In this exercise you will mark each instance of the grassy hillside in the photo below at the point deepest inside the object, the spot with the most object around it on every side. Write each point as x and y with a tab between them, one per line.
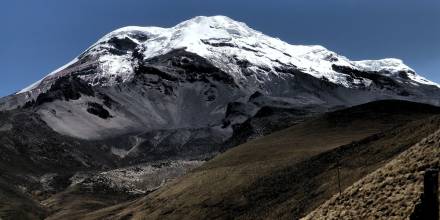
289	173
391	192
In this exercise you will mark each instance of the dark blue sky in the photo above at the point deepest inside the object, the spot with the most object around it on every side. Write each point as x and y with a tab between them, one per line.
37	37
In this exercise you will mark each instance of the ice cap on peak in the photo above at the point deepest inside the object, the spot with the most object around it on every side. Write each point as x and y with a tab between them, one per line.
207	24
202	35
214	20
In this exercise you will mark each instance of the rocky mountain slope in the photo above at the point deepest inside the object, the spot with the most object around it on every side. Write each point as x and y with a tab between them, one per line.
202	86
204	76
37	162
189	90
287	174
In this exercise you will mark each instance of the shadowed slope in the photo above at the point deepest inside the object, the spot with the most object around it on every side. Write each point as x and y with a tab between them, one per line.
16	205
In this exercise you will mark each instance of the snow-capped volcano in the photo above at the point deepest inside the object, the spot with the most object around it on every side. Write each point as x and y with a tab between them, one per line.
203	78
143	105
219	39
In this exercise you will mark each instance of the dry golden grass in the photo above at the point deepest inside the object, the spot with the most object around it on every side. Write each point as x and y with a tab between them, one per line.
391	192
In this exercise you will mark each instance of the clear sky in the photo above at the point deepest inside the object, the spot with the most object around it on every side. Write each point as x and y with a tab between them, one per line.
38	36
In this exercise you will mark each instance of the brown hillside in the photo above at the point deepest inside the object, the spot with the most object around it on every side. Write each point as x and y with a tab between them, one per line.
391	192
289	173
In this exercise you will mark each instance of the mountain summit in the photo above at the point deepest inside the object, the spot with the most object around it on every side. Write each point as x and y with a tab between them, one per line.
209	74
219	38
